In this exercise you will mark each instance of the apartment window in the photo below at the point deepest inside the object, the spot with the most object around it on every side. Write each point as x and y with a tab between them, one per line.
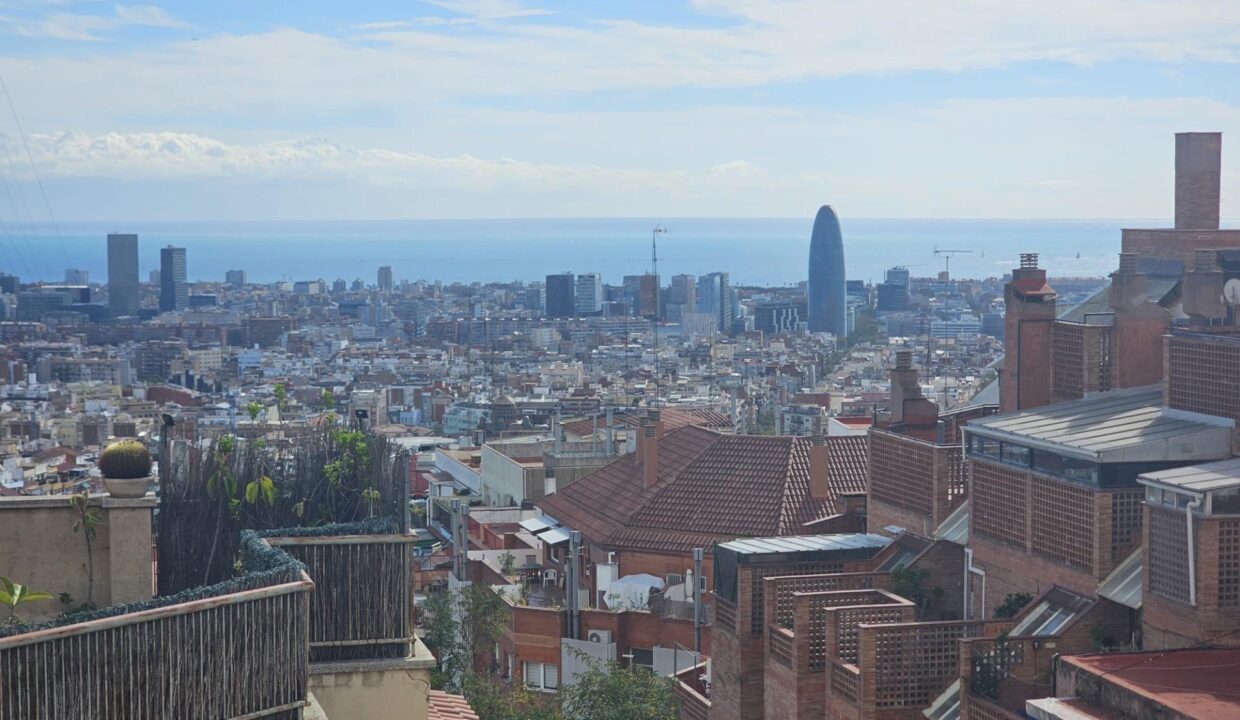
541	676
643	658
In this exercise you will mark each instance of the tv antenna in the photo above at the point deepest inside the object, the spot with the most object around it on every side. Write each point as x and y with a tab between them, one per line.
654	312
947	256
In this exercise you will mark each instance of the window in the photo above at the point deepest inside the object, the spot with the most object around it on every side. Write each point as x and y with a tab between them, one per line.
541	676
1015	454
984	446
1226	502
1062	466
643	658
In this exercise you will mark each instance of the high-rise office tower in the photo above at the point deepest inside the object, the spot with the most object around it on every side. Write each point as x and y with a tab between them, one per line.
714	296
123	273
561	295
589	294
898	276
235	278
173	286
74	276
826	275
385	278
682	297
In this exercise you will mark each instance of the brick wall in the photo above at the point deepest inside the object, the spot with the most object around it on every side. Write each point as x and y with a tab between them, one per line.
912	483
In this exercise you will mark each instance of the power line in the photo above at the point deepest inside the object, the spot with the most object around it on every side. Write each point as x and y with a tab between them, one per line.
25	228
34	168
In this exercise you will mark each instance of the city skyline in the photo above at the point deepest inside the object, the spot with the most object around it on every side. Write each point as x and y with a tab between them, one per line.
760	108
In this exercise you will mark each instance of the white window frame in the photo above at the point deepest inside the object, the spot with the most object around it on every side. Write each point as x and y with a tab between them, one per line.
535	676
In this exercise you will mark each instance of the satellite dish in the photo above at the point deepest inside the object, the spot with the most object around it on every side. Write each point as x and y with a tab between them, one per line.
1231	292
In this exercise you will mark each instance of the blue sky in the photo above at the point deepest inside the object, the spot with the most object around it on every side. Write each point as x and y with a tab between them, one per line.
520	108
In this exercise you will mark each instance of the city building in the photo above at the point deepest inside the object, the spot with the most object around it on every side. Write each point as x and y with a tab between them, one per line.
714	297
123	297
589	294
235	278
826	275
891	297
77	277
776	318
561	295
173	285
386	282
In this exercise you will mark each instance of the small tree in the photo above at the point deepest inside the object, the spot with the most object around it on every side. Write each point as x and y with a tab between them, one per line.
329	399
507	563
253	409
281	397
87	525
610	691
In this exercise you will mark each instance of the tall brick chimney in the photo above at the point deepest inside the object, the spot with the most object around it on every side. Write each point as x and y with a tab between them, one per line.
1028	322
650	454
909	408
1198	173
819	475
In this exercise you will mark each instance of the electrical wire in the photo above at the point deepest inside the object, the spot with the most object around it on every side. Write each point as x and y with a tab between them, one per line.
34	168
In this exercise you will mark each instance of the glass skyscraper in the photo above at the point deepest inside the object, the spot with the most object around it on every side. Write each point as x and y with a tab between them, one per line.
826	275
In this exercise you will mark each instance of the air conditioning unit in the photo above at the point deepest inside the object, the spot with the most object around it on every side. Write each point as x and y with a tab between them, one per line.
600	636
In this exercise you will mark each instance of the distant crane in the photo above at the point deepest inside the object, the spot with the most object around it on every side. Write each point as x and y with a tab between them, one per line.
947	256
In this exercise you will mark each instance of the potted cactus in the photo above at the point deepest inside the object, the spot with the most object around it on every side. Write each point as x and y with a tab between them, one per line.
126	468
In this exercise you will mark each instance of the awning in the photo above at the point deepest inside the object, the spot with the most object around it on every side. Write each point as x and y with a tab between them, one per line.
554	536
955	528
536	524
1123	585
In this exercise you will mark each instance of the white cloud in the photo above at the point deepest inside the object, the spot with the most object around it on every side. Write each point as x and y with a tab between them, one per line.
149	15
91	28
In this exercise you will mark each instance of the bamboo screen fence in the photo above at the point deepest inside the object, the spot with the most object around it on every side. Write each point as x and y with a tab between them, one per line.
235	651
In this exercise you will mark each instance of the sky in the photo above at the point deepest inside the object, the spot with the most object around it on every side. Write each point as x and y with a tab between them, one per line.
321	109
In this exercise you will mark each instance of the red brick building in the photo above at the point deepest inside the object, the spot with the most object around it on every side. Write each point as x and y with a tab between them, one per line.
1054	497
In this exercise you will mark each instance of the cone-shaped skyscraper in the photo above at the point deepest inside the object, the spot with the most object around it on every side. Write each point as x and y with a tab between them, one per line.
826	275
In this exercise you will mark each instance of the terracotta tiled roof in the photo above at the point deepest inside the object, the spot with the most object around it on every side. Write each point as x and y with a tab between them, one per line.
673	419
848	463
443	706
712	487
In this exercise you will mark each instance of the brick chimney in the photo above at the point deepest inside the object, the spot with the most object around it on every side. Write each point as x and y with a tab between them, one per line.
649	449
909	408
1028	321
819	475
1198	173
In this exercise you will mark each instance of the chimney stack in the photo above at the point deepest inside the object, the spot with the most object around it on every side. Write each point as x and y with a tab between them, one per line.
1198	173
650	454
819	475
1028	321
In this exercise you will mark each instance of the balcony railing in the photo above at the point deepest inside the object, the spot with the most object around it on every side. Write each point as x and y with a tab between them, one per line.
237	651
362	605
914	662
693	693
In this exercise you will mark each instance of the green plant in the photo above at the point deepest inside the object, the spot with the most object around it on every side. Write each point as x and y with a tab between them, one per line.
329	399
253	409
125	460
13	594
281	397
908	583
1012	604
507	563
611	691
87	525
1101	638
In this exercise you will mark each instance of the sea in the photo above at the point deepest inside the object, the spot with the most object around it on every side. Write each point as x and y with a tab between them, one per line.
755	251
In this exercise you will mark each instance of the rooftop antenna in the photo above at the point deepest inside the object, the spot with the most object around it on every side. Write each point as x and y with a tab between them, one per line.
654	314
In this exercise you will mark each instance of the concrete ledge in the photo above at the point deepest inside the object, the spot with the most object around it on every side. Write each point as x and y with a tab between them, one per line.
421	659
39	502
